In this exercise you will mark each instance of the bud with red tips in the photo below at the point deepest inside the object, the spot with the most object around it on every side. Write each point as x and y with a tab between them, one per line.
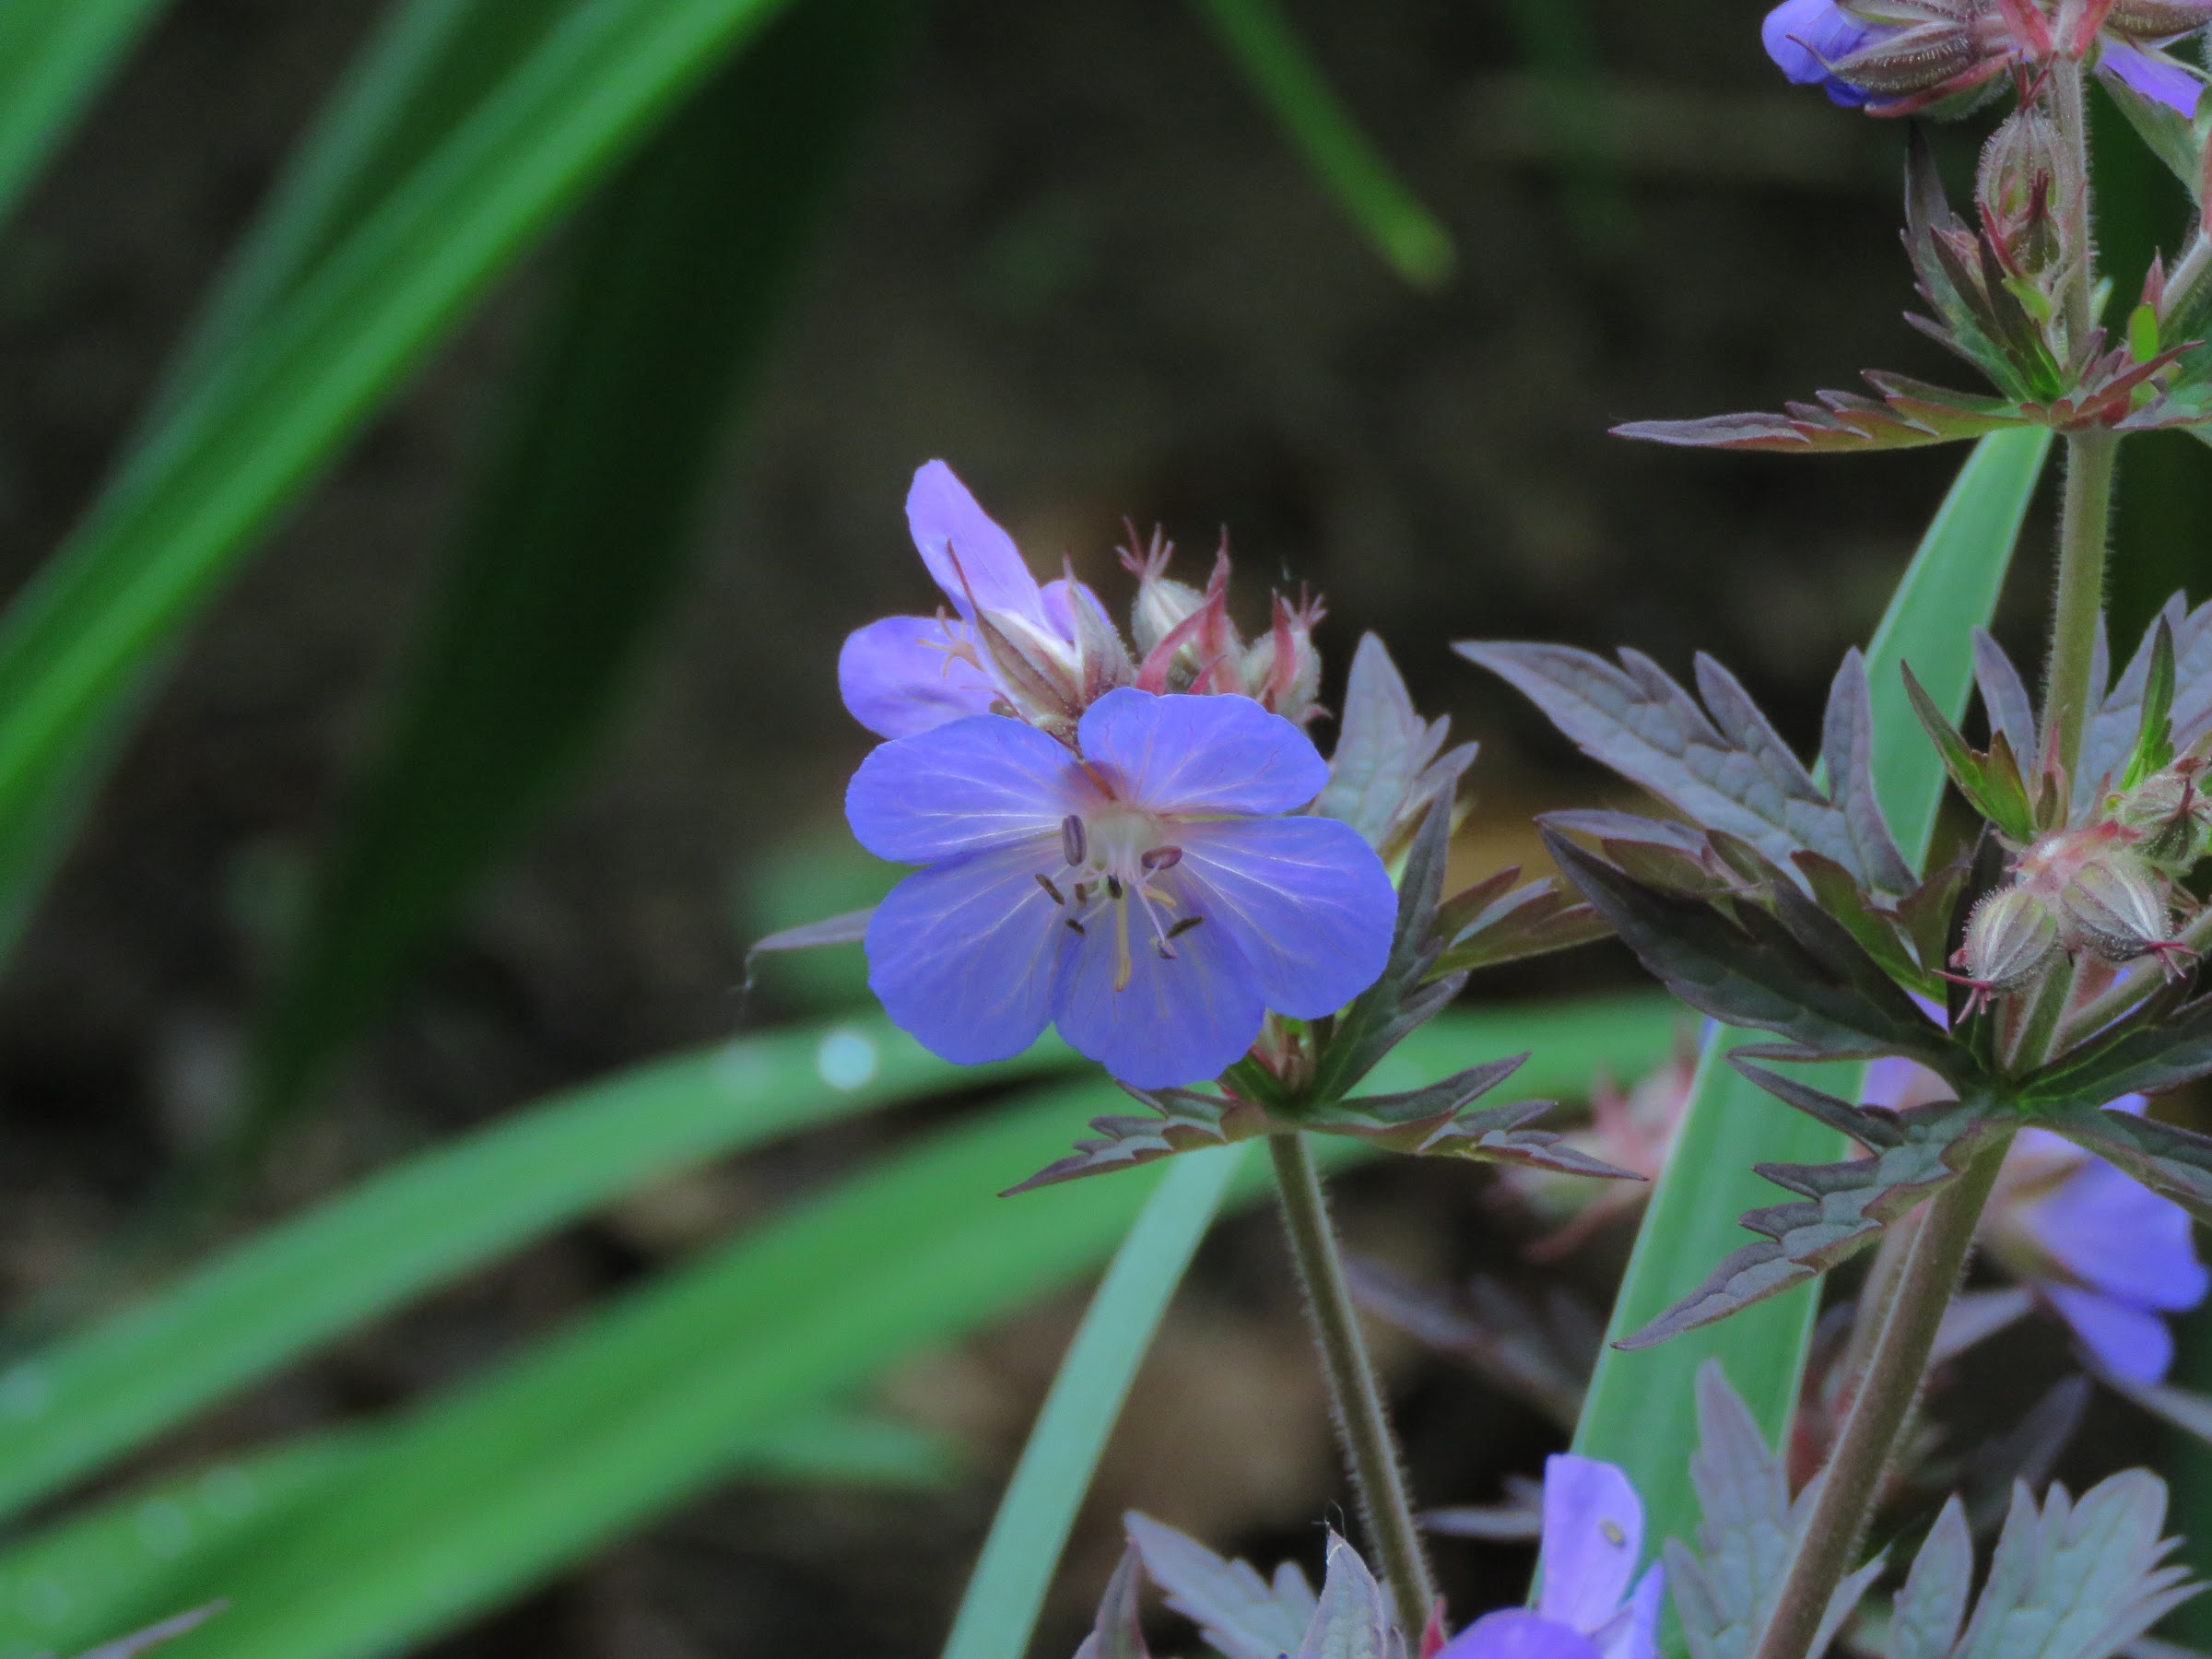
1162	603
2172	816
1282	670
2012	939
2027	186
2116	907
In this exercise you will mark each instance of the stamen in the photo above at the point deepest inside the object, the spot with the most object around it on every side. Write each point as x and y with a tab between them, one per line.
1113	888
1082	894
1176	930
1045	882
1162	858
1073	842
1075	927
1123	969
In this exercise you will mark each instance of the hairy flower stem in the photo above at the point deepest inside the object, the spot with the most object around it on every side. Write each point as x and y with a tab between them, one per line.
2083	527
1355	1396
1852	1478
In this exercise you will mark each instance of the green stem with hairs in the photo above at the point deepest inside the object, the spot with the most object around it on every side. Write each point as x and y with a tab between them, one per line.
1828	1544
1355	1394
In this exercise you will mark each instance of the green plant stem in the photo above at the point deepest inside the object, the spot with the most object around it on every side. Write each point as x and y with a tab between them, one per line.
1886	1394
2084	528
1355	1396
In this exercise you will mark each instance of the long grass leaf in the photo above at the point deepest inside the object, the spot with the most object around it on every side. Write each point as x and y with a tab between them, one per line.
1005	1591
95	1394
69	1408
583	531
1639	1412
54	55
140	1556
1291	86
242	443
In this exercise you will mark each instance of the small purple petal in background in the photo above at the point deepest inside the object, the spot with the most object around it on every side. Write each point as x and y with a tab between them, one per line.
1200	754
2128	1342
1634	1633
1518	1634
965	954
1593	1537
962	787
2119	1238
989	571
897	679
2151	75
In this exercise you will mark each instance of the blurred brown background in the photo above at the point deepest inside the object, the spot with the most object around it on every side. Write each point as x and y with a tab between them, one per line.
1079	263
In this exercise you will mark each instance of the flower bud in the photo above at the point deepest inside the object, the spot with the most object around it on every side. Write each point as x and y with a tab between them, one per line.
2170	817
1282	670
1162	603
2026	177
2158	20
2011	938
2117	906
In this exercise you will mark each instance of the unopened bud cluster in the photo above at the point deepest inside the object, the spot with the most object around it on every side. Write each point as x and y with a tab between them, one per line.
2109	888
1190	643
2028	192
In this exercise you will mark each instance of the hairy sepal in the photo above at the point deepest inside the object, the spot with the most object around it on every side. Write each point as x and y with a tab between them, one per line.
1726	1589
1843	1206
1721	764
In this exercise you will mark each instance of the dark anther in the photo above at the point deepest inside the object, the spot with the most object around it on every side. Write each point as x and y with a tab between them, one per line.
1074	925
1113	887
1073	844
1045	882
1163	858
1177	929
1082	894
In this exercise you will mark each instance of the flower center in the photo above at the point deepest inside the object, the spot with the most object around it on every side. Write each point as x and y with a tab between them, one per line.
1113	864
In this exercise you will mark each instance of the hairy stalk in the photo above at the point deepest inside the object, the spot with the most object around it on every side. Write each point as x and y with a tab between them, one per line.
2085	514
1875	1293
1355	1396
1885	1398
2084	526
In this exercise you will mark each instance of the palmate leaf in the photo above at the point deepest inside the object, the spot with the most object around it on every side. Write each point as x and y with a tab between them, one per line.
1910	413
1793	971
1389	762
1495	921
1440	1120
1723	766
1844	1206
1241	1614
2076	1580
1726	1590
2115	727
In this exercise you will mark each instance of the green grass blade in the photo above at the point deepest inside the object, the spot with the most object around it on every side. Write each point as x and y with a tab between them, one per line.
1005	1592
584	530
96	1394
55	56
504	1481
1640	1411
140	1557
241	444
1287	81
91	1397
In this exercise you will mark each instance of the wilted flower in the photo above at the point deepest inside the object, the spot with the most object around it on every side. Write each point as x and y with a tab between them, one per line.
1144	891
1592	1539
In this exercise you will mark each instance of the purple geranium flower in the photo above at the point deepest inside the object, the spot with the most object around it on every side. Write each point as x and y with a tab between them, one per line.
1592	1539
2102	1251
1804	37
905	675
2150	74
1144	891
